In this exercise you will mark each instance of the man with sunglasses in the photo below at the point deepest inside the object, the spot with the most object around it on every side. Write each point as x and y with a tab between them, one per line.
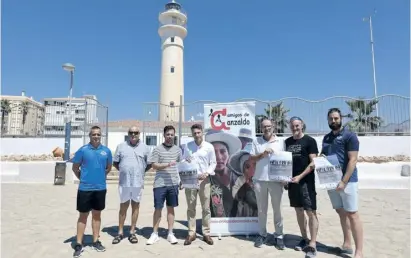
130	159
95	162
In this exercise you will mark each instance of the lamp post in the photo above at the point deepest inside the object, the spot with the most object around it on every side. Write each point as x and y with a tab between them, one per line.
67	137
369	19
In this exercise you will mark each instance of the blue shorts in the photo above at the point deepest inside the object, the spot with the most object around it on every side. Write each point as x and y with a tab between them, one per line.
347	199
169	194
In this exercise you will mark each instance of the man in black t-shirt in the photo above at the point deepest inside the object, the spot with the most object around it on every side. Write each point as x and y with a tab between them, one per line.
301	190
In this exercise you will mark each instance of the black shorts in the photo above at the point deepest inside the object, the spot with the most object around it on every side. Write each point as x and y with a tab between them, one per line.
91	200
303	195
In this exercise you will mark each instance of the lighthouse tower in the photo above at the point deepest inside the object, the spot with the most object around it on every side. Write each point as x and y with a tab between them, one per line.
172	31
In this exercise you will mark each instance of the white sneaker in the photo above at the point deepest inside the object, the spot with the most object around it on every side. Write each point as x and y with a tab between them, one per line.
172	239
153	239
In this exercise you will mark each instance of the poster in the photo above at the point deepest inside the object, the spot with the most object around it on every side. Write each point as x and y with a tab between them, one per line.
328	171
188	172
230	128
281	167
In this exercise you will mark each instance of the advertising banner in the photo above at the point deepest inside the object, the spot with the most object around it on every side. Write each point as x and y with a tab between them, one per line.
230	128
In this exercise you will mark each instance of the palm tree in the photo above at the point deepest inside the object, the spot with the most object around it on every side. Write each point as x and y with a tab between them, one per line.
362	120
25	109
5	110
278	116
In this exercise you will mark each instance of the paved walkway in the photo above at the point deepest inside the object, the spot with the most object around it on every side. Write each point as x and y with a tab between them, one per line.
40	221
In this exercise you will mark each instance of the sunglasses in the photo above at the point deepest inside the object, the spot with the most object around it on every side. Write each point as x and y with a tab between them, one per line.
133	133
96	134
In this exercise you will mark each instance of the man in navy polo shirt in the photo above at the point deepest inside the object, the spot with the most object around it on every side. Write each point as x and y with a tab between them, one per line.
344	144
95	161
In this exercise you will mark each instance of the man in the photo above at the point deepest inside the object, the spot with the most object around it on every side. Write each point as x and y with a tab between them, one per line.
166	183
301	191
95	160
344	144
130	159
261	149
203	154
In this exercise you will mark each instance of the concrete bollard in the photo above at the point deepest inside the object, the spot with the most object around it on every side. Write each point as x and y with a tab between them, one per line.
405	170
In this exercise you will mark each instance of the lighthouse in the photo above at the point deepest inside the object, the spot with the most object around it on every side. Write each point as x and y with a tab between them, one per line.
172	32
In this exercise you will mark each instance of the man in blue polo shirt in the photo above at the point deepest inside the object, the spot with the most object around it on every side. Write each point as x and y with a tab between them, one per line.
95	161
345	145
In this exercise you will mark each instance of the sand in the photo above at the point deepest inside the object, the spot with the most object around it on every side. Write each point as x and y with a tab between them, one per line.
39	220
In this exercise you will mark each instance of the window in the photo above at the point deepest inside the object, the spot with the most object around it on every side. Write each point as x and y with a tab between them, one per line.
172	69
172	39
151	140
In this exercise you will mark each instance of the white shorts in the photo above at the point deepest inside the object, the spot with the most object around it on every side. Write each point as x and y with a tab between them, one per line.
130	193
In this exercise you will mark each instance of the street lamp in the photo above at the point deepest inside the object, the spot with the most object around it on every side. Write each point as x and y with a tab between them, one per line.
369	19
69	68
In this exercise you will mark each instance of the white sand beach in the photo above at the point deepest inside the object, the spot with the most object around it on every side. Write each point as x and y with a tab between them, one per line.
39	220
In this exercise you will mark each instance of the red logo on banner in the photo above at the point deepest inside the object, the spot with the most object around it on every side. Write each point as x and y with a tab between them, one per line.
215	119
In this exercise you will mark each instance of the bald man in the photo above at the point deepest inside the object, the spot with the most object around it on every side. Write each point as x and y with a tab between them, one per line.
130	159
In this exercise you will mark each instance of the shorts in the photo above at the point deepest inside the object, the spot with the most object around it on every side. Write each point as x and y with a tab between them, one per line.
303	195
347	199
169	194
91	200
130	193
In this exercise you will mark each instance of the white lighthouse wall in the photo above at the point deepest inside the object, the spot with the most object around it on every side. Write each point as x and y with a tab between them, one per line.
172	84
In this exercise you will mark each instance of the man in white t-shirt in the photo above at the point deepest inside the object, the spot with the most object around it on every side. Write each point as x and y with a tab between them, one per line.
262	147
203	154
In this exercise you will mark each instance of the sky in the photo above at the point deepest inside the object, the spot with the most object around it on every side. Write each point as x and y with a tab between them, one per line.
268	50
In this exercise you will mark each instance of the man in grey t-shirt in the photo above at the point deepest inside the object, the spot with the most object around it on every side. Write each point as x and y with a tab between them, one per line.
164	160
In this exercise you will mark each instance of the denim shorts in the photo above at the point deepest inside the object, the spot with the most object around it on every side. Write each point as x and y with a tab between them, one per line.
347	199
168	194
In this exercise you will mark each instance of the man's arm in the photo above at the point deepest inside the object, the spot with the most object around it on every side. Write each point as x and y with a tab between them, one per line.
255	155
109	161
312	152
213	162
155	161
77	160
353	147
116	158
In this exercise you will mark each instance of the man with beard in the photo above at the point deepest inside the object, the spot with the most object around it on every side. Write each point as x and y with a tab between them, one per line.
166	183
301	190
95	161
202	153
261	149
130	159
345	145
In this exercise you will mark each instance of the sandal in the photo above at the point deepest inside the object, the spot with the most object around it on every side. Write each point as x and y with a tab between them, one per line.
117	239
133	238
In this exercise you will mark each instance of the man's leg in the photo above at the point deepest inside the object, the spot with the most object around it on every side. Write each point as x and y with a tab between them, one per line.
309	198
159	194
191	197
122	214
261	194
171	202
350	203
276	192
302	222
84	208
205	198
137	192
337	204
98	205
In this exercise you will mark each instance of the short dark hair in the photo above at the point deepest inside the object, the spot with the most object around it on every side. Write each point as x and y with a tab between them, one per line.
168	128
332	110
95	127
196	126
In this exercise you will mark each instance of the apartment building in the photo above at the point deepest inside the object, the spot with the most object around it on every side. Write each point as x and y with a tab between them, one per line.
83	112
21	116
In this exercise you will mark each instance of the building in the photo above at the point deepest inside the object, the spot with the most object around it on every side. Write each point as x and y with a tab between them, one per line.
21	116
83	113
172	31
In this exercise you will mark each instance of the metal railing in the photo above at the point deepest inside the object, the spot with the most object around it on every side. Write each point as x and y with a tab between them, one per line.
358	114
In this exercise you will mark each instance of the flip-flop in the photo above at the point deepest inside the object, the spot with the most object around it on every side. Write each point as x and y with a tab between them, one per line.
133	238
343	250
117	239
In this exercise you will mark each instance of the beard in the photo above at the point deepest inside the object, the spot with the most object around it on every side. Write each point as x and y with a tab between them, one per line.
335	126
